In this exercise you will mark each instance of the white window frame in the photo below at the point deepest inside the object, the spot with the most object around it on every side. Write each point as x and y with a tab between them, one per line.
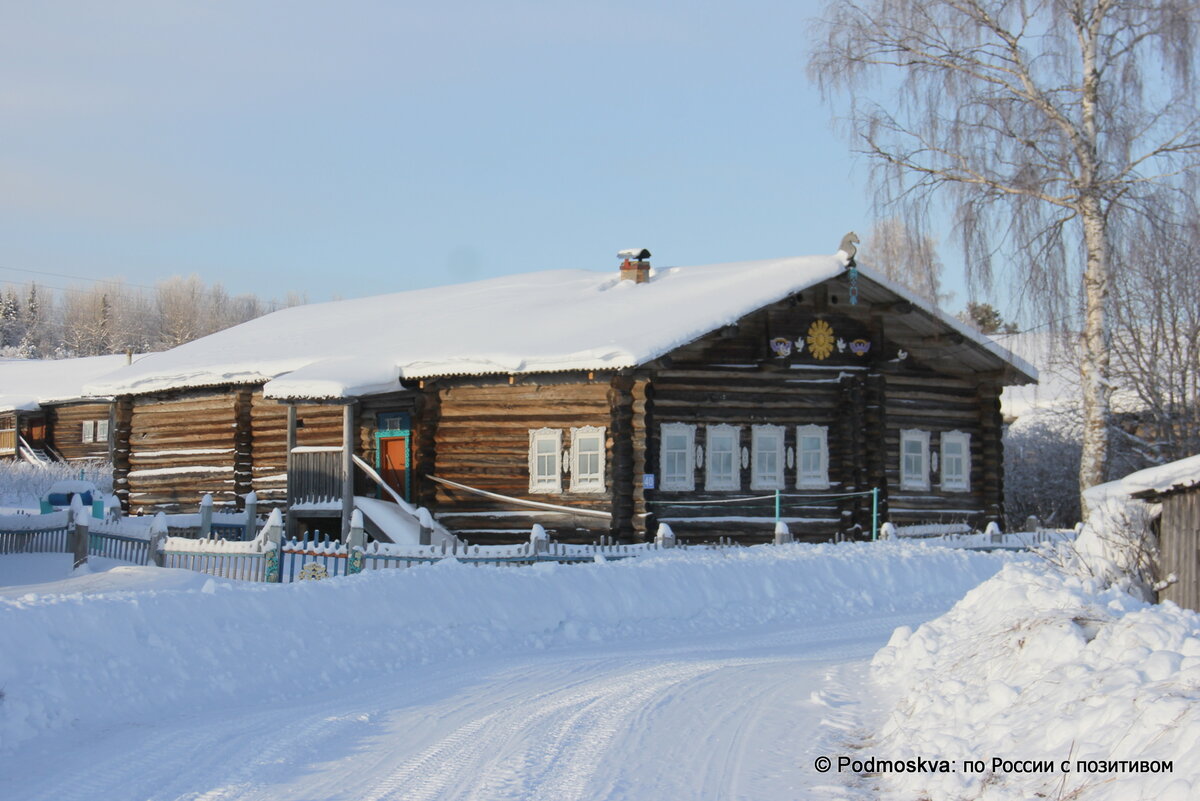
581	480
961	482
539	482
102	430
820	478
687	481
88	431
910	480
713	481
760	438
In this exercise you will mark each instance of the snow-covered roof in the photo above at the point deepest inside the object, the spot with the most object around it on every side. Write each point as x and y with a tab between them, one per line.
25	384
1057	356
1179	474
532	323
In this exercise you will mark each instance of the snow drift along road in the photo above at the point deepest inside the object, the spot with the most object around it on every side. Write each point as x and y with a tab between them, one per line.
101	658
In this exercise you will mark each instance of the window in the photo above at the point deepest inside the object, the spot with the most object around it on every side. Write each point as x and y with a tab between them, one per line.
393	421
767	443
812	449
677	458
94	431
956	461
545	471
914	459
723	461
587	459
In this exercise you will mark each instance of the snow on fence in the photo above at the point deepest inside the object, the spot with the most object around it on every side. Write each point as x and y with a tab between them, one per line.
34	533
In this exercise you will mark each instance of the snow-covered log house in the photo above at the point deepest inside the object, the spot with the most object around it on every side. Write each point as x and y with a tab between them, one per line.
45	415
593	403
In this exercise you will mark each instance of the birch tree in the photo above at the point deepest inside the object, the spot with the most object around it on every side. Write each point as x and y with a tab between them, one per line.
1156	346
907	257
1043	126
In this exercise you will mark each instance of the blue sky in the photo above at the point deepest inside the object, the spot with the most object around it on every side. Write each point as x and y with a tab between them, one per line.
351	148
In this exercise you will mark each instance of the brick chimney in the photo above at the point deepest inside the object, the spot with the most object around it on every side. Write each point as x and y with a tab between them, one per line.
634	266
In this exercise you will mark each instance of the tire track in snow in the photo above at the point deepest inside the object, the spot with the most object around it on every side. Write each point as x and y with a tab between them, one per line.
547	747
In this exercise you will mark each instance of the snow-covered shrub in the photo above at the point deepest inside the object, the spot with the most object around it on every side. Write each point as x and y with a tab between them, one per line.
1041	467
23	484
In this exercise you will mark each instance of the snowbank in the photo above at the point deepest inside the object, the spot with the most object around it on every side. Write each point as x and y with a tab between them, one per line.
1034	666
95	659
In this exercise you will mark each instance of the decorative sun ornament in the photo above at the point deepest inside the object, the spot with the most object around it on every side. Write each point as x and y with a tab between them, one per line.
820	340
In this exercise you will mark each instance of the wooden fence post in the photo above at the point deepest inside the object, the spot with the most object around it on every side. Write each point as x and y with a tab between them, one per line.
206	516
425	534
782	534
665	537
538	539
273	553
79	533
356	544
158	540
251	516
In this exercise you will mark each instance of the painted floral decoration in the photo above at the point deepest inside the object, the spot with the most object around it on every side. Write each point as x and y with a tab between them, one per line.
859	347
820	340
782	347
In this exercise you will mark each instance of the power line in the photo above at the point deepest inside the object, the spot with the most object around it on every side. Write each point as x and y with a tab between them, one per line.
76	277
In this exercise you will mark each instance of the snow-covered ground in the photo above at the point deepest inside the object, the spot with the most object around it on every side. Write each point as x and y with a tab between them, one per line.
719	675
918	671
1080	692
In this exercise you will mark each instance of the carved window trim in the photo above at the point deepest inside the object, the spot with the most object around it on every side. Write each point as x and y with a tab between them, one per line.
956	481
914	463
587	480
677	482
812	478
766	441
719	435
546	480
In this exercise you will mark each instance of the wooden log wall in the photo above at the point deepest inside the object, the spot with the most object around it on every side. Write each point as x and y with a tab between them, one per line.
181	447
744	398
991	453
66	429
482	441
875	424
316	425
928	401
854	513
1179	548
122	435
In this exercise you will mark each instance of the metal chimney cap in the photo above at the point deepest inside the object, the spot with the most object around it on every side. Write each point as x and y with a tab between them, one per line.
637	254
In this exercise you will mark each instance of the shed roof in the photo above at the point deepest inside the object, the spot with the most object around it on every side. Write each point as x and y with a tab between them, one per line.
1150	484
540	322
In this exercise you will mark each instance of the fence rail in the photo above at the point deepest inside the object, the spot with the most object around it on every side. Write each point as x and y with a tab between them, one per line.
115	546
45	540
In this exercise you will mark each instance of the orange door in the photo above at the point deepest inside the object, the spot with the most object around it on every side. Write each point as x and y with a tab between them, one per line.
393	463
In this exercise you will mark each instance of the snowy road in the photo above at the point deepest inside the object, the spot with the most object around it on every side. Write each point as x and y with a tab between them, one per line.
732	716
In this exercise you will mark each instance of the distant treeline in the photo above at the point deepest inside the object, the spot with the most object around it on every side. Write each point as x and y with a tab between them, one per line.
112	317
